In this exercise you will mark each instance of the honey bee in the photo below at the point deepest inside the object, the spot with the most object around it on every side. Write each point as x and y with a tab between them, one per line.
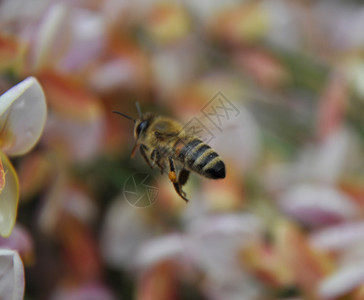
163	142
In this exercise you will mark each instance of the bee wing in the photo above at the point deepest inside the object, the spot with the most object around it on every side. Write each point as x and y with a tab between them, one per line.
205	130
167	128
199	127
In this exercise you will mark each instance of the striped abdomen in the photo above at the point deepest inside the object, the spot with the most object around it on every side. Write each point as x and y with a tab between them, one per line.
199	157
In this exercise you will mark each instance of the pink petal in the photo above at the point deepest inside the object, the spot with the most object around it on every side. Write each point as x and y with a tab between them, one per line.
342	32
332	106
89	291
19	240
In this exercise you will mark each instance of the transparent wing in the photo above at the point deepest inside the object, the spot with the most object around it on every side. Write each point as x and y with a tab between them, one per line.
166	128
215	117
202	128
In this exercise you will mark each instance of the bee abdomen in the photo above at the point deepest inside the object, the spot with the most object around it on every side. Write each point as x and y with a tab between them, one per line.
209	164
201	158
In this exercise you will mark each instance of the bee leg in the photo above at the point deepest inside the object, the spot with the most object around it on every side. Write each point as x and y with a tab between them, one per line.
142	150
173	178
162	169
157	159
183	176
152	157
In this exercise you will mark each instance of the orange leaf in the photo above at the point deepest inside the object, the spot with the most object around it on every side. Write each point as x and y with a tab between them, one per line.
2	176
309	267
34	172
10	51
68	97
242	23
265	263
167	23
159	282
263	67
79	248
355	189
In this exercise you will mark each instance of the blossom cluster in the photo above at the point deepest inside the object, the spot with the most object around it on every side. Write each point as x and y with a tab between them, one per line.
278	88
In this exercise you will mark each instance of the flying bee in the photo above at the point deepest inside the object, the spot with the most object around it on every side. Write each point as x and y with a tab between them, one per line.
163	142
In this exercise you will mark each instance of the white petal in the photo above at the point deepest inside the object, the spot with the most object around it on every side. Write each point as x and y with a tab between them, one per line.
316	204
239	130
342	281
336	238
85	39
51	28
325	161
82	140
9	198
215	241
207	10
113	74
23	113
11	275
125	230
158	249
20	10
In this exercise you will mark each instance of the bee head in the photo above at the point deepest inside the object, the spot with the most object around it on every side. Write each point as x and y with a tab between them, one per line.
142	125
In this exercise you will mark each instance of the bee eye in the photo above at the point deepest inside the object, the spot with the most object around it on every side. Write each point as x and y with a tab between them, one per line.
141	127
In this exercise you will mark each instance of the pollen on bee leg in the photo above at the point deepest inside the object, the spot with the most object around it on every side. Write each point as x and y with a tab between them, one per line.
172	176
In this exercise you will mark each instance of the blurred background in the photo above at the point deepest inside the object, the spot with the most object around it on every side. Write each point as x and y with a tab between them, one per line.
278	87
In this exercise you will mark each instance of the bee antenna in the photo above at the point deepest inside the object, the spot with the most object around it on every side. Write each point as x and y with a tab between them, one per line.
124	115
139	110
